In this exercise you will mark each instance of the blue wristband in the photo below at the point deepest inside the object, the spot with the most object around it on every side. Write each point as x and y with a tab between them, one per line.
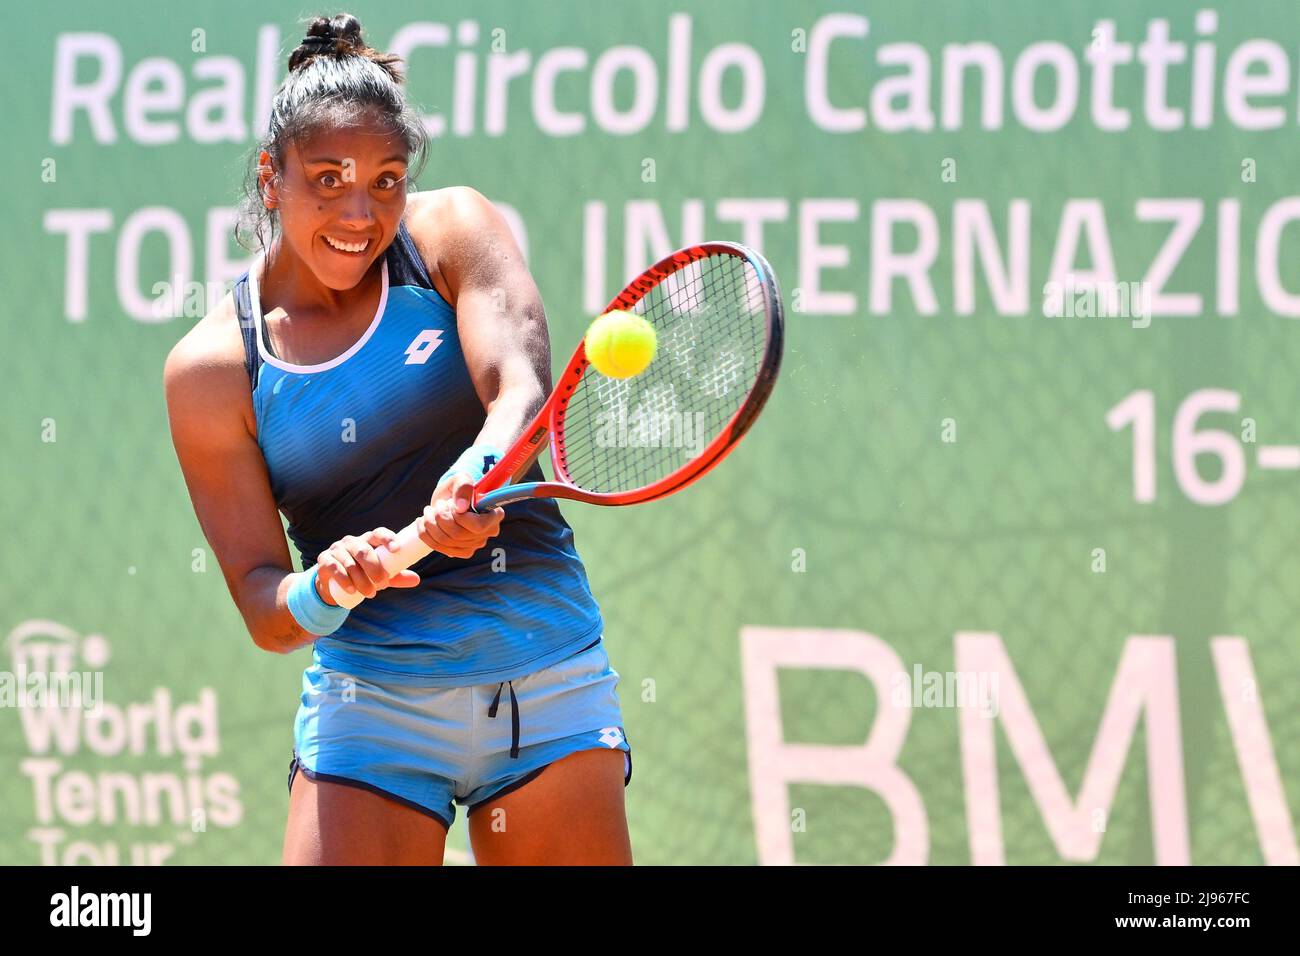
475	461
312	614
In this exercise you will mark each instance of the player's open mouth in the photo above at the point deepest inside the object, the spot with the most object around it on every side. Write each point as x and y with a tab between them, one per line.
348	248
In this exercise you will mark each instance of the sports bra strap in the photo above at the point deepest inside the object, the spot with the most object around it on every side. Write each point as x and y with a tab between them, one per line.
247	329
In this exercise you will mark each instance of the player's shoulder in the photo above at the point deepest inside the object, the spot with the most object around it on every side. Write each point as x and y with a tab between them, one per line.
449	202
209	358
450	227
451	214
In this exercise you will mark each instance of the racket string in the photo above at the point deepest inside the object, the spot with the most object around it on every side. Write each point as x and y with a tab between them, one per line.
710	318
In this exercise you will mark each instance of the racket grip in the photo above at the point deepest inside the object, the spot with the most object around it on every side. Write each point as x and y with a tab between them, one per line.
407	549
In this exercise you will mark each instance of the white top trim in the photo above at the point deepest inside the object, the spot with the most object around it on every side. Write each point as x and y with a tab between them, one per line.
255	297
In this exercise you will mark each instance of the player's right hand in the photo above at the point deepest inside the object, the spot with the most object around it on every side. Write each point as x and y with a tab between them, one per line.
353	563
448	526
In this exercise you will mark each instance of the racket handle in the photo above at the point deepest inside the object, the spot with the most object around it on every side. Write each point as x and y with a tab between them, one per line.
407	549
505	496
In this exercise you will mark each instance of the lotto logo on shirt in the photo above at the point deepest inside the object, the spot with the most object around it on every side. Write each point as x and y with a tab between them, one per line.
418	352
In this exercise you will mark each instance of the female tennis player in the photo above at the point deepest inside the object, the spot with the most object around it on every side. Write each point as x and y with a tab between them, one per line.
370	366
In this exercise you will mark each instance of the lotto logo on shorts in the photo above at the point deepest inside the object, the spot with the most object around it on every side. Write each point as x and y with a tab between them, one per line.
611	736
418	352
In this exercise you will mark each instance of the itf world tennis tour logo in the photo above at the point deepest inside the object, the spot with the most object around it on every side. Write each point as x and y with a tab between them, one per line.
148	756
43	656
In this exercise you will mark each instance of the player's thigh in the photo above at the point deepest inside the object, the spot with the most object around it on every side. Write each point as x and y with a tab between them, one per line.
571	814
333	824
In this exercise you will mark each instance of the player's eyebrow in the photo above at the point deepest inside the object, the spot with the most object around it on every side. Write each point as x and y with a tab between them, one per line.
395	158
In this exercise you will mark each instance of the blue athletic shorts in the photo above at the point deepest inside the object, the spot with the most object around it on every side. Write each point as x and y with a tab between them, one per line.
426	747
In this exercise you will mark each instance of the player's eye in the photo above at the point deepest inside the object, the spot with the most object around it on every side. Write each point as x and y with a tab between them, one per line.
328	180
387	181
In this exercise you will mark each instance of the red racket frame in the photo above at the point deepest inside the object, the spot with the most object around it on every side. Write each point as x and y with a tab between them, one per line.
492	489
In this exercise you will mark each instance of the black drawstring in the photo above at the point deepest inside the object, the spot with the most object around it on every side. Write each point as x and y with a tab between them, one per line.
514	716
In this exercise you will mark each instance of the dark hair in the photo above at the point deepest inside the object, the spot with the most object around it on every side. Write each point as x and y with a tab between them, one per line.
334	80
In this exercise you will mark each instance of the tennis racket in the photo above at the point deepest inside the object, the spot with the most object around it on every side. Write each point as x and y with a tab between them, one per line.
717	315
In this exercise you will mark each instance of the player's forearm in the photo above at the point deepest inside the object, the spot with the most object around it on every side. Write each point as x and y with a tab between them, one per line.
510	362
262	598
510	412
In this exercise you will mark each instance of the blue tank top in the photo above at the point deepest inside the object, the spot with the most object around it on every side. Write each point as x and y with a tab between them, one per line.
359	442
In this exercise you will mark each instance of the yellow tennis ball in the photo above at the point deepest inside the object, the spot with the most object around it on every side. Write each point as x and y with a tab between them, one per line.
620	344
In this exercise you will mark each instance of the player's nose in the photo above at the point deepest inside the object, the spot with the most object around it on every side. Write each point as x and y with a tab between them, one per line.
357	209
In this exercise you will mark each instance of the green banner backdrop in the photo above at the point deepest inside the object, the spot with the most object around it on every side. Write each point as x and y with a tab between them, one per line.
1005	573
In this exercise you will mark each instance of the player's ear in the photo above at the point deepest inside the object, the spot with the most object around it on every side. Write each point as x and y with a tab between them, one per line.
266	179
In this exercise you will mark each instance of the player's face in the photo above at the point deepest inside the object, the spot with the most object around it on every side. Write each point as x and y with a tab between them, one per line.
341	196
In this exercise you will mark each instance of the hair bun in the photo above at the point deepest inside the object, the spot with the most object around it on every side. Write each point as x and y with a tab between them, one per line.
339	35
344	26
